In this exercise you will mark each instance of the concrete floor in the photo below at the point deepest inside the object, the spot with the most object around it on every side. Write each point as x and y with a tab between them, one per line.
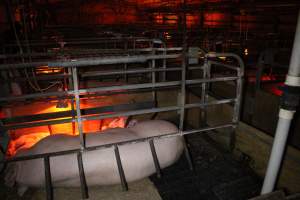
143	189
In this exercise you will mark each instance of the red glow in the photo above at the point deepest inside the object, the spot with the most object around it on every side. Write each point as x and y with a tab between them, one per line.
26	137
276	91
214	19
191	20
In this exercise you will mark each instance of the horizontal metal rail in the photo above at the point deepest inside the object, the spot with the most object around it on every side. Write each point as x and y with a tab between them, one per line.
119	87
111	115
84	62
238	58
86	111
131	71
97	41
105	146
90	51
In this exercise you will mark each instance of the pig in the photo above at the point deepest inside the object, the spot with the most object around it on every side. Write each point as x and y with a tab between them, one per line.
100	166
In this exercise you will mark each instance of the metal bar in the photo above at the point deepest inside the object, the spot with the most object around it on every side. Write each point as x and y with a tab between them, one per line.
183	85
72	112
90	51
164	74
119	87
78	112
120	168
237	105
48	181
35	95
83	185
27	125
133	71
40	77
127	113
203	111
238	58
151	85
73	117
125	74
153	78
79	39
155	159
224	65
105	146
90	61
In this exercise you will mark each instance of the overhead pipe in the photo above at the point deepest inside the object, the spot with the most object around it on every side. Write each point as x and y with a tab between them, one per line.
289	104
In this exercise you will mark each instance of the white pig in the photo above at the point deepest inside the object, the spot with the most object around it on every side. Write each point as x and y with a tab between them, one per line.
100	166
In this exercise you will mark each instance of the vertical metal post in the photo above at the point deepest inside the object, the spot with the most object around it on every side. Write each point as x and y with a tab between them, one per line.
70	86
125	65
153	76
48	181
239	83
164	74
125	75
236	109
183	88
78	112
204	86
83	185
155	159
120	169
73	117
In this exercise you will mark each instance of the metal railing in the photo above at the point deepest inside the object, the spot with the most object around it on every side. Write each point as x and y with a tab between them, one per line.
204	81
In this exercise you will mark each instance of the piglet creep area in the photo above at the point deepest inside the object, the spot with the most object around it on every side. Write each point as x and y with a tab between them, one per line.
25	138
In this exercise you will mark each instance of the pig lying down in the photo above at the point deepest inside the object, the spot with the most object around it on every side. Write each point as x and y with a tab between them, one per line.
100	166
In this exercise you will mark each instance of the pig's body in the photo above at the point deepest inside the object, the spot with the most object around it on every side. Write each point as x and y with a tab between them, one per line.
100	165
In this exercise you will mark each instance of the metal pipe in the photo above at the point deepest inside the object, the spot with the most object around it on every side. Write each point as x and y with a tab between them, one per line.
127	113
155	159
289	106
81	62
83	185
281	135
294	69
119	87
120	169
48	181
105	146
78	111
90	51
132	71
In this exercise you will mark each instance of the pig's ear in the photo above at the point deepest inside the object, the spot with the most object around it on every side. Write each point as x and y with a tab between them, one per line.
10	174
21	190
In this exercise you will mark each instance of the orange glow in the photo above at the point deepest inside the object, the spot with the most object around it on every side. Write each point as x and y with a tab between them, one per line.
48	70
25	138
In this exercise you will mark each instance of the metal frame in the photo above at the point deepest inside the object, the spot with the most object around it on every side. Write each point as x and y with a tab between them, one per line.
181	107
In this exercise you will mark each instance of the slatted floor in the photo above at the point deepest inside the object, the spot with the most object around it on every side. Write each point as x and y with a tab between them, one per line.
217	176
